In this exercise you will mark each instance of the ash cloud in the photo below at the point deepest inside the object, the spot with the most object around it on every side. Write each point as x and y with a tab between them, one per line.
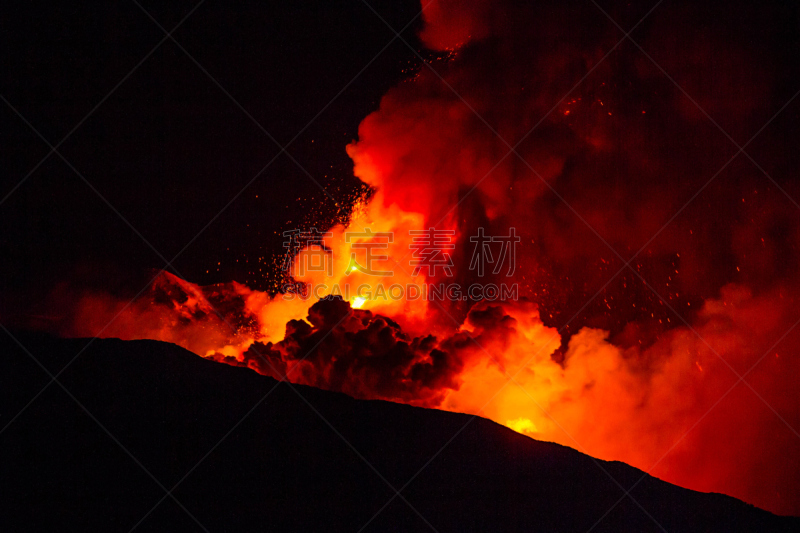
359	353
626	150
631	156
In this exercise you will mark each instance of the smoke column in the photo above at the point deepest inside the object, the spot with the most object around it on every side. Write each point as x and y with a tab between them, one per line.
622	167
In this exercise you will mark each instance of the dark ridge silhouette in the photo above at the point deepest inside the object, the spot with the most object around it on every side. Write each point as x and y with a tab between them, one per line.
284	468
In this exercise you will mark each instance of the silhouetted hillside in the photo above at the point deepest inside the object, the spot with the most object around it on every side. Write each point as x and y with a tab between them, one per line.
302	460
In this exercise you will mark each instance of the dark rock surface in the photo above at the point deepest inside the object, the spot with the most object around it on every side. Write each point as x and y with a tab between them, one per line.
242	452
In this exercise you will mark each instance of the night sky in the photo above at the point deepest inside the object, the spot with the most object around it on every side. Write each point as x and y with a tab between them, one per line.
653	183
169	140
171	149
158	138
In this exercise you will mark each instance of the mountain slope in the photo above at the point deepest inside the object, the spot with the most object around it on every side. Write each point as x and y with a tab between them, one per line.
303	459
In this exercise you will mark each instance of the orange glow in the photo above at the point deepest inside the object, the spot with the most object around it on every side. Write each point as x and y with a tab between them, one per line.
621	404
658	392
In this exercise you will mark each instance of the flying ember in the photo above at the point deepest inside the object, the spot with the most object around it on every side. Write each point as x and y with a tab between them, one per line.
532	251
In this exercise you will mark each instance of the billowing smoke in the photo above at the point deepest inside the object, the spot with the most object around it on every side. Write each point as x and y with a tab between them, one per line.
642	367
357	352
625	164
172	310
605	166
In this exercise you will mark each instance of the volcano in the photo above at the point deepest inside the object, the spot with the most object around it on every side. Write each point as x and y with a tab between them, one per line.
146	436
577	219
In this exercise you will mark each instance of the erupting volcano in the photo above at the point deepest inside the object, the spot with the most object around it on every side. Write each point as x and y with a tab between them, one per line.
586	236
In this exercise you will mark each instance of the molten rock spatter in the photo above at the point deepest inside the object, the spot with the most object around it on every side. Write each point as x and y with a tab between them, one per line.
628	376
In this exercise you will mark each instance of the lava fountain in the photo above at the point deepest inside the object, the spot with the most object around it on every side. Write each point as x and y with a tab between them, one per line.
625	355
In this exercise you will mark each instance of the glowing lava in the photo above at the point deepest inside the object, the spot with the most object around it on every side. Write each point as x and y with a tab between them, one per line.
646	366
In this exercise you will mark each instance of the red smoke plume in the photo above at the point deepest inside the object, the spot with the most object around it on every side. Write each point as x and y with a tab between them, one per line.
625	165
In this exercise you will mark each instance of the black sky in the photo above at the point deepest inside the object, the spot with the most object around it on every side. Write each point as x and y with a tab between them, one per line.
168	148
159	142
